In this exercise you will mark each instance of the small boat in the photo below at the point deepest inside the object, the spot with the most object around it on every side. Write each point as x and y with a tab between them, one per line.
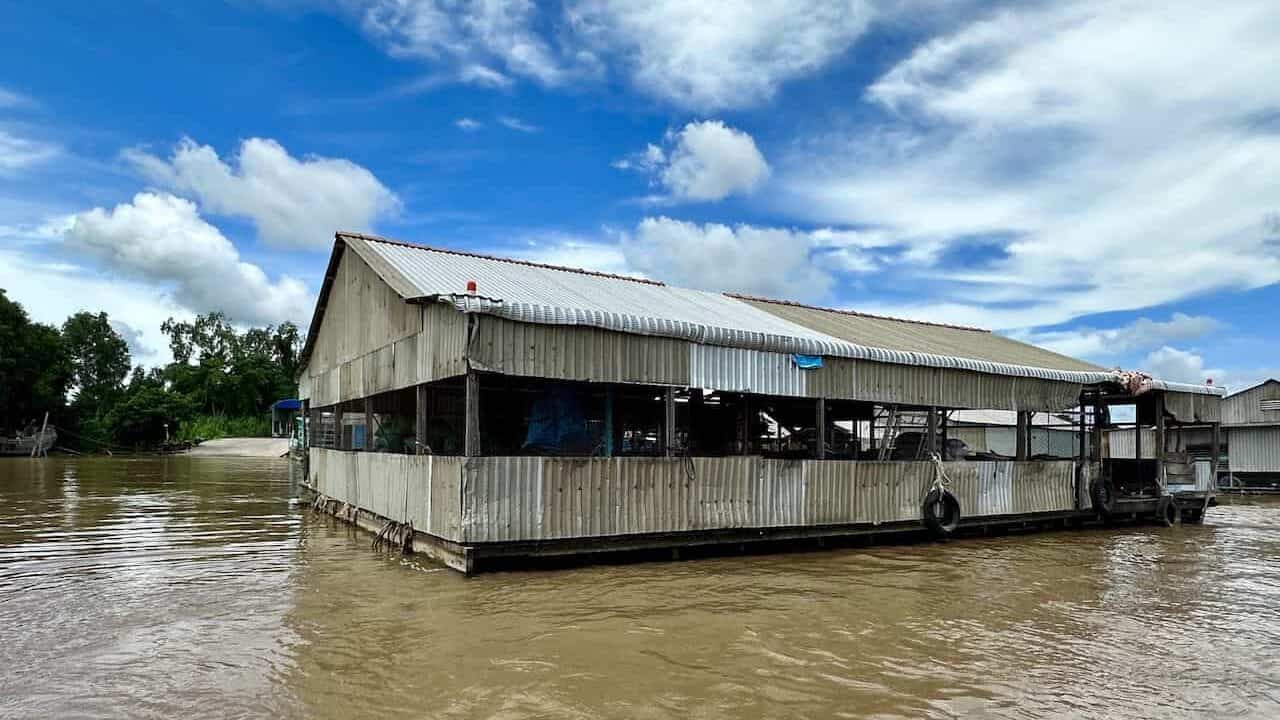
27	443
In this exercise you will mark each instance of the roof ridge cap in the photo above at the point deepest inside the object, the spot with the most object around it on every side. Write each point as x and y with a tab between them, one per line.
857	313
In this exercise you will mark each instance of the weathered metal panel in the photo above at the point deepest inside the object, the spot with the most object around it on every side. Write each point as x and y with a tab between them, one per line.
1253	449
580	497
446	503
831	492
741	370
1246	407
502	499
1194	407
442	346
780	493
1120	445
424	490
577	353
720	492
405	363
1046	486
655	495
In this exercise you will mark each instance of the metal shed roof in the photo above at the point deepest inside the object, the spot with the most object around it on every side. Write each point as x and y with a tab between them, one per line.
534	293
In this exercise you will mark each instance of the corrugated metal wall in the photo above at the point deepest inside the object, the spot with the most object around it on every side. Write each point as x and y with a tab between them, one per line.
1246	408
1120	444
1194	407
527	499
422	489
432	354
1254	449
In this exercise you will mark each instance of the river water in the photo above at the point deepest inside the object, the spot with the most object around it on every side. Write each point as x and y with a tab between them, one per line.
186	587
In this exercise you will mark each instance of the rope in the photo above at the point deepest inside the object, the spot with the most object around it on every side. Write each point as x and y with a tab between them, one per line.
941	482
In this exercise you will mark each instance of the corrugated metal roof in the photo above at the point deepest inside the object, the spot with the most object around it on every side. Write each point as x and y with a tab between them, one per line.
543	294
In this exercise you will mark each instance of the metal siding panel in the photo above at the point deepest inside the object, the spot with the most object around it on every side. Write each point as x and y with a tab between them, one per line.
779	494
741	370
577	353
723	492
1047	486
831	492
1120	443
1253	449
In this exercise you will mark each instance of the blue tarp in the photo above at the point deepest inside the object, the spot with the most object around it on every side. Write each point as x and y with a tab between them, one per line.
287	404
557	423
807	362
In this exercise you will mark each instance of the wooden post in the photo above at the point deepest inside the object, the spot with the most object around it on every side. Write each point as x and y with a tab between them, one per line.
608	421
1137	437
695	417
744	425
669	422
420	418
1216	455
1161	442
1023	434
931	442
368	424
472	438
1083	433
820	429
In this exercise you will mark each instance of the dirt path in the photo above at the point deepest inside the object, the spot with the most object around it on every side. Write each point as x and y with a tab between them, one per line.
242	447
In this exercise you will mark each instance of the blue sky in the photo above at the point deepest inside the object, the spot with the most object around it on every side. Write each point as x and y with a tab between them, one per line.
1102	178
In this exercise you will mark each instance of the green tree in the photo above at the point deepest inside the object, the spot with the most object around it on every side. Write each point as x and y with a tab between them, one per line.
34	368
99	362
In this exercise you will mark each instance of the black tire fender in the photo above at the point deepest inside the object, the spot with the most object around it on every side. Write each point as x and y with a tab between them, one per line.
941	512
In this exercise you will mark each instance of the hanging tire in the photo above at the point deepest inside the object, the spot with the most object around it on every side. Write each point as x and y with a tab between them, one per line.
1168	513
1104	498
941	512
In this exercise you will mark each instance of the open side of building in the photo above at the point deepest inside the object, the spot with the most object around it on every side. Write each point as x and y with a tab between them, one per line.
482	408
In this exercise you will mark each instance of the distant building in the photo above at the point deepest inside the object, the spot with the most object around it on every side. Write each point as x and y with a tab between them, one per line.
1251	423
283	413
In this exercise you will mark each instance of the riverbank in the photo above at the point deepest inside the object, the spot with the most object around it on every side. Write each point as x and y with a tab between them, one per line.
242	447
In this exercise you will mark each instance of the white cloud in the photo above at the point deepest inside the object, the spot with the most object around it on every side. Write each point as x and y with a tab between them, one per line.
712	56
9	98
470	38
703	161
773	262
161	239
18	153
1170	363
555	248
293	202
1141	334
517	124
467	124
1111	149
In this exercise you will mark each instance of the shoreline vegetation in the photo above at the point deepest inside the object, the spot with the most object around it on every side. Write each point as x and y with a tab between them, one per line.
221	382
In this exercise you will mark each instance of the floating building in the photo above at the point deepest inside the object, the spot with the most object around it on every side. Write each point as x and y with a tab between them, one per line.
479	408
1251	423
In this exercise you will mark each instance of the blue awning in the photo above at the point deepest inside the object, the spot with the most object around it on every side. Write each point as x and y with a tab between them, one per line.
287	404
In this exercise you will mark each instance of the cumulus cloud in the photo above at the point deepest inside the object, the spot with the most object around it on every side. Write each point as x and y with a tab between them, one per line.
773	262
293	202
1169	363
161	239
467	124
718	56
483	43
19	153
703	161
1141	334
1109	150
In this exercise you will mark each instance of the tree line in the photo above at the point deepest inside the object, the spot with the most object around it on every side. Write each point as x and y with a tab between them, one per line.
222	381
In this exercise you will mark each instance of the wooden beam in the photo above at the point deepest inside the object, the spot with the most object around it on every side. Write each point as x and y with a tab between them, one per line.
669	422
1023	434
421	418
820	429
744	425
472	439
368	425
931	442
1161	441
608	420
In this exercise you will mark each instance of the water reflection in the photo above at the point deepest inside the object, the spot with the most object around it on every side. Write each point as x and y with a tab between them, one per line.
201	587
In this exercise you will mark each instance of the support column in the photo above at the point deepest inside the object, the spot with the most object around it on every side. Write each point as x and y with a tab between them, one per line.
744	426
669	422
472	437
931	442
420	418
368	425
608	421
1161	442
820	429
1216	456
1023	434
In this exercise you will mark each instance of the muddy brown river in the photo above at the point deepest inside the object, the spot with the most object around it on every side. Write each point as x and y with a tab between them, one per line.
187	587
